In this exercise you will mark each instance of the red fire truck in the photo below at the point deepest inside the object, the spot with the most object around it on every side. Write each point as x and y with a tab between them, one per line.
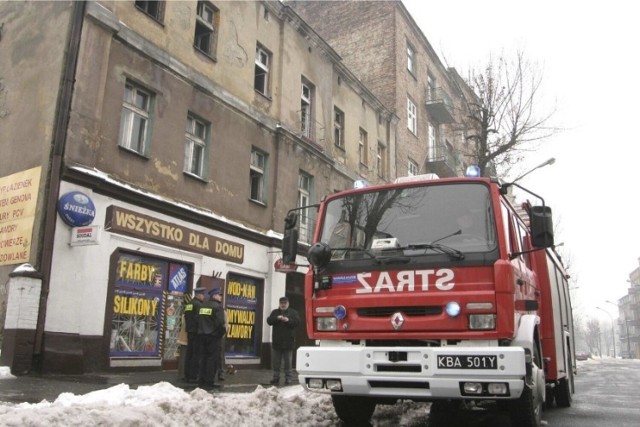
436	290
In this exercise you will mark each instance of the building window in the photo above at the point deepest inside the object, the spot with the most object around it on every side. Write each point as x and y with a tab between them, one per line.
134	122
305	186
363	147
257	176
261	79
381	163
338	127
412	117
433	142
411	59
306	103
431	88
412	168
197	134
206	36
154	9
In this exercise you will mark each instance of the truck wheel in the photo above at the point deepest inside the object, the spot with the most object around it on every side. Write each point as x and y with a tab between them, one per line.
527	410
354	410
564	390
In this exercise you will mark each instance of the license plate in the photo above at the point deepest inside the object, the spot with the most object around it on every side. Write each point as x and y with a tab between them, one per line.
467	362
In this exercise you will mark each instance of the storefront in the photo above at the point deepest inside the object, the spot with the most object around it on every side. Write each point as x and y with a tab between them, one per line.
116	296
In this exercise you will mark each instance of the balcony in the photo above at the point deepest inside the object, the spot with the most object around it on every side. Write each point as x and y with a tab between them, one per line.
439	105
442	161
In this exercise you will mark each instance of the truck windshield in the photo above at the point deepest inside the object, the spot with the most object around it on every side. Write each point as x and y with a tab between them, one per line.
411	219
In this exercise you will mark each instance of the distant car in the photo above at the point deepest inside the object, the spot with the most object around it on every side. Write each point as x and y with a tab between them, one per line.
583	355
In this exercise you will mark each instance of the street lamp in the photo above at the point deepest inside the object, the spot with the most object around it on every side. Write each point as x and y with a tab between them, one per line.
613	330
541	165
626	325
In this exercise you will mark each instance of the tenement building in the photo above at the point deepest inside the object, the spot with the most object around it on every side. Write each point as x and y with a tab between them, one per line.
382	44
153	146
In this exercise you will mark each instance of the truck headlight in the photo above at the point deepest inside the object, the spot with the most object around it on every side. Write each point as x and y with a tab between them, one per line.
326	324
482	321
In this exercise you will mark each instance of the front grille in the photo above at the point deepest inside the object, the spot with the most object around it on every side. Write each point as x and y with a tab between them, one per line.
398	384
408	311
398	368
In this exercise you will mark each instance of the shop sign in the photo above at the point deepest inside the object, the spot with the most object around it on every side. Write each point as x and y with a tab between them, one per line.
76	209
88	235
282	267
130	223
18	200
243	312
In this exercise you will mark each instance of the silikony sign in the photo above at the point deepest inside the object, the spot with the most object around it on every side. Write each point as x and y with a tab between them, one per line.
76	209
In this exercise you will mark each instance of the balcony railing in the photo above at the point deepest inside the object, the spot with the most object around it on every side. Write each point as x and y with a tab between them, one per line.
439	105
442	160
311	130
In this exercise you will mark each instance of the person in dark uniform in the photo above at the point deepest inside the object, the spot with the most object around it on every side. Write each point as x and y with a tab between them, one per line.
192	363
210	331
284	321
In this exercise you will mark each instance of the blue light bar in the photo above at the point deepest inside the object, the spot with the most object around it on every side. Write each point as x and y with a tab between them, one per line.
472	172
361	183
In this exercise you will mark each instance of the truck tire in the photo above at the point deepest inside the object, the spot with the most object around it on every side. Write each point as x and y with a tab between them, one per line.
526	411
354	410
564	390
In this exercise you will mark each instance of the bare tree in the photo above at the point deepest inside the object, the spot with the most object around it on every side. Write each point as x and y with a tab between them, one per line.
592	336
503	117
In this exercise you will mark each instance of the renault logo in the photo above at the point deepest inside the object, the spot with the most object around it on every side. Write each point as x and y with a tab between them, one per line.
397	320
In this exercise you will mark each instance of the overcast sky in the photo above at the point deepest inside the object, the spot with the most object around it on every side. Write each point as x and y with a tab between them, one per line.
589	55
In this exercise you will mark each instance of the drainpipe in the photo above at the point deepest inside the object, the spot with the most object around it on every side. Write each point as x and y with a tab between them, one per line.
59	138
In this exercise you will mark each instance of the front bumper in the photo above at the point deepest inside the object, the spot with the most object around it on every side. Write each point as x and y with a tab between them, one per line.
413	372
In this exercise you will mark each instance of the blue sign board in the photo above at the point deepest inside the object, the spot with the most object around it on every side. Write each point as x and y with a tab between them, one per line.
76	209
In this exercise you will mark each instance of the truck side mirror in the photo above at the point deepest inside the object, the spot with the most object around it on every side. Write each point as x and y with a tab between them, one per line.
290	239
541	226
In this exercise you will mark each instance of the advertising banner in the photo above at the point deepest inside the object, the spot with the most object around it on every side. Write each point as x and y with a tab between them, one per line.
243	313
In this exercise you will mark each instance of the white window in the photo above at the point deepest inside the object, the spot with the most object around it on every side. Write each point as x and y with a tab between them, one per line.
431	88
305	185
261	79
206	28
381	164
306	101
433	142
412	168
134	122
338	128
196	136
411	60
257	176
363	147
412	117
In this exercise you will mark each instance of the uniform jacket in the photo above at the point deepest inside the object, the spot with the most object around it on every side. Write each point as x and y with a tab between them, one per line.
191	315
211	319
284	333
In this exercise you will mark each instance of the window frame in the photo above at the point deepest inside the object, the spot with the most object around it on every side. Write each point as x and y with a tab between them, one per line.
305	194
144	6
411	167
338	127
203	24
411	59
258	172
192	141
381	160
266	68
306	109
363	147
412	117
132	111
